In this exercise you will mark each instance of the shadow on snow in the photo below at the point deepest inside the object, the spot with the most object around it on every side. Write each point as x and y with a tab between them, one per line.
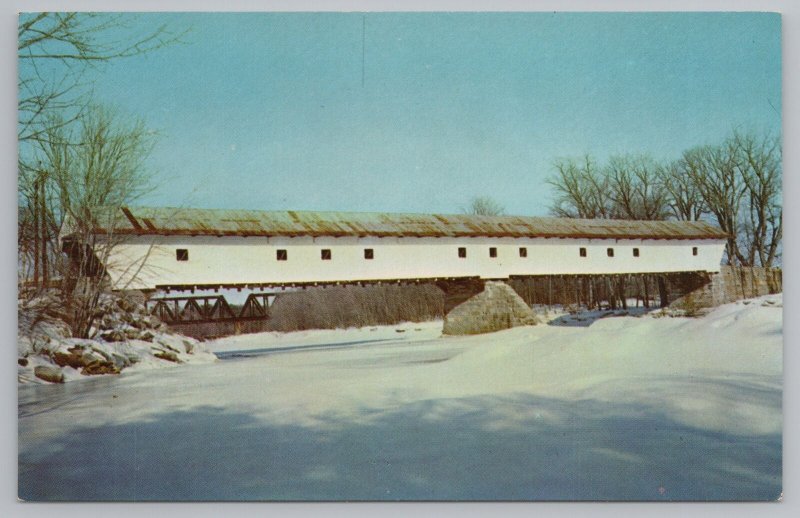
515	447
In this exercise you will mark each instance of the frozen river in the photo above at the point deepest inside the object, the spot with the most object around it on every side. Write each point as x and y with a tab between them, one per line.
626	408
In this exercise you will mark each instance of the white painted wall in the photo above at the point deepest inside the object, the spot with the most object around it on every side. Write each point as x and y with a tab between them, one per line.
143	262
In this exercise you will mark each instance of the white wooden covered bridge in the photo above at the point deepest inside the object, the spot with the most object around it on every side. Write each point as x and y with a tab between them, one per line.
179	249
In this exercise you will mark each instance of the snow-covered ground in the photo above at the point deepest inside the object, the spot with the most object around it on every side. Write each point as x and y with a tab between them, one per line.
125	338
624	407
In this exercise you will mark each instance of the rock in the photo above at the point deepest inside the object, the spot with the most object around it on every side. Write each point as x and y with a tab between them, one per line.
168	347
167	355
100	367
125	306
73	359
50	374
147	336
496	308
22	362
98	353
112	335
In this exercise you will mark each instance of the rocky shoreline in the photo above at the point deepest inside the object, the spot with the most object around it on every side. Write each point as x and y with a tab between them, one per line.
125	337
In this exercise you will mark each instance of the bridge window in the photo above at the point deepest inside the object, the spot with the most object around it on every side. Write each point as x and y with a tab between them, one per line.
636	252
583	252
462	252
694	250
281	255
369	253
182	254
523	252
492	251
326	254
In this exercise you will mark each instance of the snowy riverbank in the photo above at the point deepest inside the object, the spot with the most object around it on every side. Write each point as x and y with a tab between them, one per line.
126	338
629	407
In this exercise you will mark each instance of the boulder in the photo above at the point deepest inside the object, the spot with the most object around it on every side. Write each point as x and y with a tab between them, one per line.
496	308
113	335
73	359
167	355
100	367
50	374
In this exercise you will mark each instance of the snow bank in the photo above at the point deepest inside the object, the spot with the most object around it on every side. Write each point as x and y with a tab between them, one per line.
126	338
692	368
633	407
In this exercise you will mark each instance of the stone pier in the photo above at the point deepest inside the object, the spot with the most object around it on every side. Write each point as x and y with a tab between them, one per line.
732	283
474	306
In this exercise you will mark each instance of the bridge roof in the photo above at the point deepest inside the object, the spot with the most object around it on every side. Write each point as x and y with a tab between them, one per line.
214	222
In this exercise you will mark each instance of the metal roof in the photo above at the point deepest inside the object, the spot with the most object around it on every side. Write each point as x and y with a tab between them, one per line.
214	222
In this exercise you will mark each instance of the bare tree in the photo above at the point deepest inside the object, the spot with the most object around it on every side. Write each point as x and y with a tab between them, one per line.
714	170
635	188
55	50
88	182
683	196
759	164
581	190
484	206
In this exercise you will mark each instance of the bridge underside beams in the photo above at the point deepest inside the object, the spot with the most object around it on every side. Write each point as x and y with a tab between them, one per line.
583	290
208	309
595	291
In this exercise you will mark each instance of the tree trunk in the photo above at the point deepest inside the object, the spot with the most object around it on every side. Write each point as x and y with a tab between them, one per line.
662	291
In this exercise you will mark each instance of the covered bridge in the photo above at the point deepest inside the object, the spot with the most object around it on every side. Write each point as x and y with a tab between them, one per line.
179	248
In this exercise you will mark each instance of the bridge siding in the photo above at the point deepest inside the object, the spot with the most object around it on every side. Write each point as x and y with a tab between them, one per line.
236	260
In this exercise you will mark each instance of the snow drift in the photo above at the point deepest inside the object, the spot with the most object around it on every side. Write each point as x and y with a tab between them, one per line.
647	407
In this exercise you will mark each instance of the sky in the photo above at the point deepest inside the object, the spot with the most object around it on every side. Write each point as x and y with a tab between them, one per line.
421	112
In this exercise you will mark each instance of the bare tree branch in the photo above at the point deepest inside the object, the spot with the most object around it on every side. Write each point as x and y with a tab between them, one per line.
484	206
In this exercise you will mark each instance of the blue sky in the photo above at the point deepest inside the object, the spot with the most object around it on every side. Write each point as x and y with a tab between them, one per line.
285	111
